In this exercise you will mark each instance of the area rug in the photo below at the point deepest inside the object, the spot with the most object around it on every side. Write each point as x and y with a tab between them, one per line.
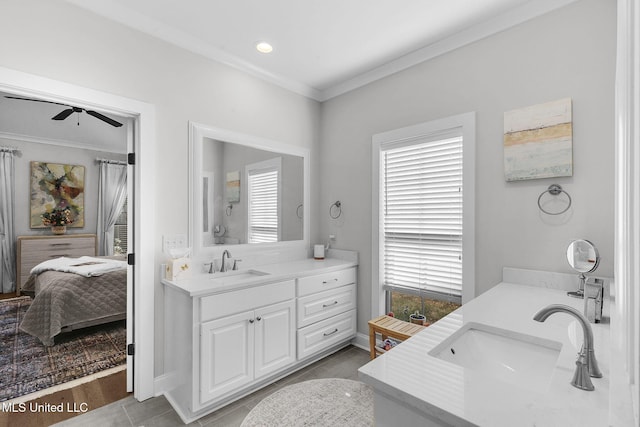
323	402
27	366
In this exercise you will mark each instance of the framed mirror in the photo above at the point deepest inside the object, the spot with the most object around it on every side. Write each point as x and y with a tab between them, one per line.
583	256
245	190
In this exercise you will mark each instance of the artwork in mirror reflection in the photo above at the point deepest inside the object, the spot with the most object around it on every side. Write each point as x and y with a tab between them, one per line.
263	206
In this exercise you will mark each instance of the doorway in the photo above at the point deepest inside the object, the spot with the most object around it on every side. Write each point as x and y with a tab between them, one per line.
141	277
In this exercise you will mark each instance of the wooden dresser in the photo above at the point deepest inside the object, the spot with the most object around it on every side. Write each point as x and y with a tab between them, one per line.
32	250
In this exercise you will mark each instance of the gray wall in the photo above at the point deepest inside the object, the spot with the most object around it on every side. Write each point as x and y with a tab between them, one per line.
567	53
54	154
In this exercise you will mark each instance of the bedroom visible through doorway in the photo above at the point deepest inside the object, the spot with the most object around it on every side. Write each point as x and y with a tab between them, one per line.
88	333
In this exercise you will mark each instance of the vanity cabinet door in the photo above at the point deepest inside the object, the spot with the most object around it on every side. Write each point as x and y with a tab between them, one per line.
226	354
275	337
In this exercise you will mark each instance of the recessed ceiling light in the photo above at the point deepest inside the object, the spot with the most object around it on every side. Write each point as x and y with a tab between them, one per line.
264	47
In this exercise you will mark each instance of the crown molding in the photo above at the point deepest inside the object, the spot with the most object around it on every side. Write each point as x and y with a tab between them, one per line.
57	142
472	34
140	22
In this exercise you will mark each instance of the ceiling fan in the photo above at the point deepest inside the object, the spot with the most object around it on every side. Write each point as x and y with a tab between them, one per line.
67	112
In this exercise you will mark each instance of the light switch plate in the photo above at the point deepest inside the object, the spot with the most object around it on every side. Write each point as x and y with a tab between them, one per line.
173	241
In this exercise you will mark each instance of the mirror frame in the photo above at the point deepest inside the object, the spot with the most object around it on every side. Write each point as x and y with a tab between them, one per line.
197	133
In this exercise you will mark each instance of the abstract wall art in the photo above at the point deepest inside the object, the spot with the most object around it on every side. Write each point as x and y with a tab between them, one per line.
538	141
56	186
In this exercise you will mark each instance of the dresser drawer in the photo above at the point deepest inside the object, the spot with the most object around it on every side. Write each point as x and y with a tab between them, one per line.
322	282
322	305
32	250
225	304
60	246
321	335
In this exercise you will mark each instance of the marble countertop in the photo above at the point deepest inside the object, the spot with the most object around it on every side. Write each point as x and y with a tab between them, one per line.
464	397
206	284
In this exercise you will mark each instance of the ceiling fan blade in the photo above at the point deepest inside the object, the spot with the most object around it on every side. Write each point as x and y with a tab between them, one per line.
63	114
103	118
36	100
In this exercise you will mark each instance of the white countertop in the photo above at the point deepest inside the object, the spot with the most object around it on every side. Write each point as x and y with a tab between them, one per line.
464	397
206	284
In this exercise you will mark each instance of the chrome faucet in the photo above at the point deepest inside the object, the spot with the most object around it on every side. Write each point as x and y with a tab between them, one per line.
226	254
586	364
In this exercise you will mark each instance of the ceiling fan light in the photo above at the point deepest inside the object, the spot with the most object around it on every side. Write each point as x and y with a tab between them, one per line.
264	47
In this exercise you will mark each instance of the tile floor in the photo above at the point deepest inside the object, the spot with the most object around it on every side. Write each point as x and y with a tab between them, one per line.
157	412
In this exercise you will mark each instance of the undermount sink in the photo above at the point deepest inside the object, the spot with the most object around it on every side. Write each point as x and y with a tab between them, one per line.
235	276
508	356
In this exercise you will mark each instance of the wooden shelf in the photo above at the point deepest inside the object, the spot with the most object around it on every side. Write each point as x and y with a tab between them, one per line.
391	327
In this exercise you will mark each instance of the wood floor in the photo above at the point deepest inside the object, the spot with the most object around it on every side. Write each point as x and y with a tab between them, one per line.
7	296
88	396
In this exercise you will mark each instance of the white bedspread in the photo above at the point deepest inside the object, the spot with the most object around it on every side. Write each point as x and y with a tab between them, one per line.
84	266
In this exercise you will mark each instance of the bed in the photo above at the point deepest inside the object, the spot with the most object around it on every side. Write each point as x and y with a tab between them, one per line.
64	300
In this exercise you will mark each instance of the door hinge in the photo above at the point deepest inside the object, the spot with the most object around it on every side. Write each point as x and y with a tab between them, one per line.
131	259
131	349
131	158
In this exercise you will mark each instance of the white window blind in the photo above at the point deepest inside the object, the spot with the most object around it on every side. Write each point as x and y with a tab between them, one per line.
422	216
263	206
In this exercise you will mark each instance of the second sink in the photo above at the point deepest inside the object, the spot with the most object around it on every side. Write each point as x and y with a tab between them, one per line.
501	354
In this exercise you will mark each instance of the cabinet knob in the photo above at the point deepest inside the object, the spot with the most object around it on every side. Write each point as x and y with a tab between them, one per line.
251	320
259	318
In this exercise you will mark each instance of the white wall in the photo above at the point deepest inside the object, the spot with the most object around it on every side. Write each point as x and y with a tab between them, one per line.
66	43
567	53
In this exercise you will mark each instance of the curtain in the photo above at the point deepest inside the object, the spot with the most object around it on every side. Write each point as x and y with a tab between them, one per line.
7	229
112	193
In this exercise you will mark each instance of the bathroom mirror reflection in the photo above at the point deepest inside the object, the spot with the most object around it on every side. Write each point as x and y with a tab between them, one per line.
583	256
250	195
245	190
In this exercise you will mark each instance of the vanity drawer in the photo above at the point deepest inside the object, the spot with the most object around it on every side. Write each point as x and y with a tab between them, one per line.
225	304
322	305
319	336
322	282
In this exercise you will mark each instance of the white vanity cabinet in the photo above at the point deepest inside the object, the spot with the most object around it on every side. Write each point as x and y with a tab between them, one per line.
237	349
326	309
226	340
252	335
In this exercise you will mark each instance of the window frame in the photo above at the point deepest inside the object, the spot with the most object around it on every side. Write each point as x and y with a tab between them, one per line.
464	124
265	166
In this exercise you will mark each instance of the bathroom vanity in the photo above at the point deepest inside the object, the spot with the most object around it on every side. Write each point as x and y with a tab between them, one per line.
490	364
229	334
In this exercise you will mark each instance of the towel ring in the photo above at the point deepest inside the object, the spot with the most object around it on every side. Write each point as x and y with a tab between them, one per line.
554	190
298	213
338	206
219	230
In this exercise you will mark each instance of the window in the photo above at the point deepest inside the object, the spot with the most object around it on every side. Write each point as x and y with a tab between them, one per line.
263	195
120	232
423	225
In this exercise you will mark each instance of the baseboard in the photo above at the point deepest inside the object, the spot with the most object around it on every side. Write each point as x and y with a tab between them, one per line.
361	341
163	383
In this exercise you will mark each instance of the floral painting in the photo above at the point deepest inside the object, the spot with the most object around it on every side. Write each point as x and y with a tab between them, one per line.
538	141
57	187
